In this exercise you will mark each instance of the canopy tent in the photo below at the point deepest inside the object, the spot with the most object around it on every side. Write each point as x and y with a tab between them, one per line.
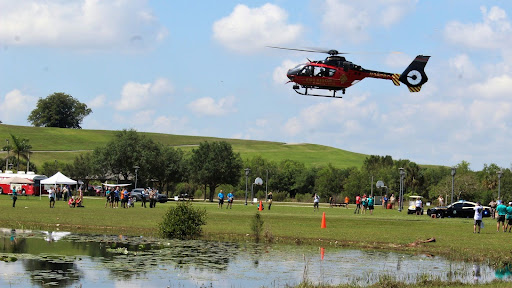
58	178
16	180
115	185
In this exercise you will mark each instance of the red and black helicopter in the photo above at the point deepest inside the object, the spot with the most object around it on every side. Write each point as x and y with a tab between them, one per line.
335	73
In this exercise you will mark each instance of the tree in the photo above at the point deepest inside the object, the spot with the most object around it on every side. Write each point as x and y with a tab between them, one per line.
127	150
215	163
20	147
59	110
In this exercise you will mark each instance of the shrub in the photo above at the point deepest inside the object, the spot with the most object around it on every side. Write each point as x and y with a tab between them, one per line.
279	196
257	226
182	221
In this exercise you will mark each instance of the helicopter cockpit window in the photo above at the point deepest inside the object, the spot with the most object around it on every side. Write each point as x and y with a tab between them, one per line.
323	72
307	71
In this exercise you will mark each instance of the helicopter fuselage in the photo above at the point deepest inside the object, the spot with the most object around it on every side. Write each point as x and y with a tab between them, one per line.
334	73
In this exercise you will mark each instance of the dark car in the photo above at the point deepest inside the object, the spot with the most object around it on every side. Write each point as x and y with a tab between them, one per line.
137	194
464	209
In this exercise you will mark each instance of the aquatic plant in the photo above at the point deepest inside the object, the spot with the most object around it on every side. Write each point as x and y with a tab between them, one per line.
182	222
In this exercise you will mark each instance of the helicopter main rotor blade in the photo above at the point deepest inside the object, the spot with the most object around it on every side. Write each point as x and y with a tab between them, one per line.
330	52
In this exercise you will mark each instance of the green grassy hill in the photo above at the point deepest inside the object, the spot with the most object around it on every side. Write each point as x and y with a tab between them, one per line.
50	144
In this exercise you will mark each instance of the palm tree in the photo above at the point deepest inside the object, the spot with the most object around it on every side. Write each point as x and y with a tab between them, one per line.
21	147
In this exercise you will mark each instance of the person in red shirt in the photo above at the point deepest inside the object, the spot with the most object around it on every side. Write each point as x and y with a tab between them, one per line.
358	204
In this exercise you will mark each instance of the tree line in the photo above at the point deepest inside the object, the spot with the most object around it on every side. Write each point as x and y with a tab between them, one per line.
214	165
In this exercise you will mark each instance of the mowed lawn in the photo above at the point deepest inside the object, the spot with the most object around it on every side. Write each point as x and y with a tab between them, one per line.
286	223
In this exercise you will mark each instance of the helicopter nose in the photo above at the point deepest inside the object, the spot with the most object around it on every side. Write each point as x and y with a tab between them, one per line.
291	74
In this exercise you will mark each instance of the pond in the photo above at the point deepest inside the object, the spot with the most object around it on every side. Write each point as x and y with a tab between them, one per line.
63	259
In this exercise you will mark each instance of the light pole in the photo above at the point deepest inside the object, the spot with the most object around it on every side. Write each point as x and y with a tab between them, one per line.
247	171
500	173
136	171
402	176
266	187
453	181
7	158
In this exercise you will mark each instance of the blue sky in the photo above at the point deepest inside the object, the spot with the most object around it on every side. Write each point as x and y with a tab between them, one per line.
201	68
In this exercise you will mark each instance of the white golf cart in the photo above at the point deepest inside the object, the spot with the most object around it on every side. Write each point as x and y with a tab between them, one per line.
412	205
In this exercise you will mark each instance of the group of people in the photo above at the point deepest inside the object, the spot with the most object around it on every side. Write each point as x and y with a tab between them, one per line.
66	194
364	203
115	195
230	198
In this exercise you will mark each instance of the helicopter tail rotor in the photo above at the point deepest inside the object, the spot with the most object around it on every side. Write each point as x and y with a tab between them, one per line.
414	76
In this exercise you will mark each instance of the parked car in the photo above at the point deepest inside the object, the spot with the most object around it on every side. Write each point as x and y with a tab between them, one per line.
137	194
461	208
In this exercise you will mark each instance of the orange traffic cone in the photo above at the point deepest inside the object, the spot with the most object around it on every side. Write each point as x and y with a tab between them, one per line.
323	221
261	206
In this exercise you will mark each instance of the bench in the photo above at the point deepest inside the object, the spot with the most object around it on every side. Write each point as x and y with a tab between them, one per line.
339	204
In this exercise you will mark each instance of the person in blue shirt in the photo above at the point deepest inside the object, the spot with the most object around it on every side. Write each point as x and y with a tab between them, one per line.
231	197
221	199
370	204
14	197
502	212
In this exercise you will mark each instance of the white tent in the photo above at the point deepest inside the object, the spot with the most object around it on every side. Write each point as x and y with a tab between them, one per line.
58	178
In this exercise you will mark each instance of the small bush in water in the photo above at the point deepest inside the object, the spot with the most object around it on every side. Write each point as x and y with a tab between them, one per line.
182	222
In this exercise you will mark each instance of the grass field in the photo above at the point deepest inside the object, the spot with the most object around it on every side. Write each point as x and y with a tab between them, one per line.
285	223
63	145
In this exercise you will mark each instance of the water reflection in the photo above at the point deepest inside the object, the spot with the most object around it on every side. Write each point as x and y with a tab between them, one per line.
68	260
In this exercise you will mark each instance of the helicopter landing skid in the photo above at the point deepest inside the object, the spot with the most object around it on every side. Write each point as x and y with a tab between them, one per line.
305	93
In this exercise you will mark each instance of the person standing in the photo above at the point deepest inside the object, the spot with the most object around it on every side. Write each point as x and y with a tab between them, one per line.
51	195
358	204
143	194
441	200
347	200
152	198
385	201
392	200
365	204
419	206
508	217
493	205
502	212
316	202
478	217
371	204
269	197
231	197
14	196
221	199
107	195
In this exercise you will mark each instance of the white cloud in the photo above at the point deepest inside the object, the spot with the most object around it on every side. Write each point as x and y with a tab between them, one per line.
135	96
495	87
494	32
98	102
279	74
208	106
81	25
353	19
16	107
250	29
463	67
336	117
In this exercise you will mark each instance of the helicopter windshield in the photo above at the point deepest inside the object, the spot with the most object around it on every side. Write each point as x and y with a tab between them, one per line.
296	69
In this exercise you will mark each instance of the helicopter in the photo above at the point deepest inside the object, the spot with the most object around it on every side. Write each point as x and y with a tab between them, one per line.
335	73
